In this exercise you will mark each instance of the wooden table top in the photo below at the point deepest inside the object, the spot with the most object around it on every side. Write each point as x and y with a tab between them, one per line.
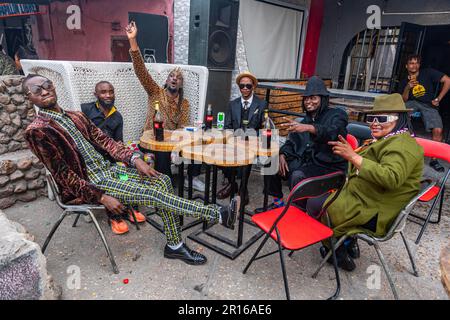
174	139
255	145
224	155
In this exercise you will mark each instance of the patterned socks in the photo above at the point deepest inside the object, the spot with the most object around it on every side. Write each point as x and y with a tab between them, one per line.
278	202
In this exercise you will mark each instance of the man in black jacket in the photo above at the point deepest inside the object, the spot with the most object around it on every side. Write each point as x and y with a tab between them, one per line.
103	113
245	112
306	153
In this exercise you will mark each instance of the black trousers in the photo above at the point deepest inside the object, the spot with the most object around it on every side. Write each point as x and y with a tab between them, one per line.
275	188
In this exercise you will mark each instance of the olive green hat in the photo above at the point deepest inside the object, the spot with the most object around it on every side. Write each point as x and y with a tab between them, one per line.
389	103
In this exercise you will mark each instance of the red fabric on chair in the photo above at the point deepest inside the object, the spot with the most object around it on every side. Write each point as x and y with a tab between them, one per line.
297	229
352	141
434	149
430	195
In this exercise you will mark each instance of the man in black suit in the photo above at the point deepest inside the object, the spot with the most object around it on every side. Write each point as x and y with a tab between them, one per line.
245	112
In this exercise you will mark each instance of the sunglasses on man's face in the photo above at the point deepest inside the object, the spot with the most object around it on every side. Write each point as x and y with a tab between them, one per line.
37	89
247	85
380	118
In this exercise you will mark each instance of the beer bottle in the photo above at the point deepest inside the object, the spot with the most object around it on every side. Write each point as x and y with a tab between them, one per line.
209	118
158	124
267	130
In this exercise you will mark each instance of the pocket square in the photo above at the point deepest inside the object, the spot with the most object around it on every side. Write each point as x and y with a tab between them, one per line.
256	111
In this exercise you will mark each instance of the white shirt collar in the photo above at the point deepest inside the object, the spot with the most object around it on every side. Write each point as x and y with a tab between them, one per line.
249	101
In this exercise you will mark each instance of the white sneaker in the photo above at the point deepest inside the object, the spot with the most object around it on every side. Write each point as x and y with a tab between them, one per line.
197	184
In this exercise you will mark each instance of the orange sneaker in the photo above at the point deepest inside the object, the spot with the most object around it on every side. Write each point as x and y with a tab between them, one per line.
139	216
118	225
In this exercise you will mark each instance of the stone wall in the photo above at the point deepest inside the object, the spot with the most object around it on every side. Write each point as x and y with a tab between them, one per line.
22	176
15	114
23	271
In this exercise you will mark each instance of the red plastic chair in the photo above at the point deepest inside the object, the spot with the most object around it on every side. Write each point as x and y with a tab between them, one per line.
352	141
438	150
293	229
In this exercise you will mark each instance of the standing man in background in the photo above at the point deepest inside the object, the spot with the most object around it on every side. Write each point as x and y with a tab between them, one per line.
420	93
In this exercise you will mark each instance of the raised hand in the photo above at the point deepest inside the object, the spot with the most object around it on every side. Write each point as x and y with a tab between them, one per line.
131	30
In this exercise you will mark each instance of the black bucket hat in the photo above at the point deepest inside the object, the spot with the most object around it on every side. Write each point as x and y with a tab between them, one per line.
316	87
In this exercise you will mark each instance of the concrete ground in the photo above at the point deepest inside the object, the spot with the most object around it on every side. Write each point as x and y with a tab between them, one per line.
146	274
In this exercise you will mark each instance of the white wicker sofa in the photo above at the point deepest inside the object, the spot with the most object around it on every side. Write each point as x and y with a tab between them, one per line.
75	82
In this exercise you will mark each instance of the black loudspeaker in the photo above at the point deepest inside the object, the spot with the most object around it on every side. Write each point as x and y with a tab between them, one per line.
153	36
212	33
212	43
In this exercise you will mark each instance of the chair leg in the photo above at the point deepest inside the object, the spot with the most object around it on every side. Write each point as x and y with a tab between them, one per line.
256	253
411	258
76	220
322	263
283	267
291	253
336	271
102	236
134	217
386	270
428	218
55	226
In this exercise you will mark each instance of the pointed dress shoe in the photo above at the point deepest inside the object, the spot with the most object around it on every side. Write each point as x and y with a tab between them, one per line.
226	191
344	261
352	248
229	213
185	254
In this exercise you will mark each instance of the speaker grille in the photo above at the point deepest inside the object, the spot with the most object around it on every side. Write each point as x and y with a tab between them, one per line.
220	48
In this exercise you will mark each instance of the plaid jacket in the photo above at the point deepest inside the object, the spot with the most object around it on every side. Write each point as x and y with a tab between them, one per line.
57	150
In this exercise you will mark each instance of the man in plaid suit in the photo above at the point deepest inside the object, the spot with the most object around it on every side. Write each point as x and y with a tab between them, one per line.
71	148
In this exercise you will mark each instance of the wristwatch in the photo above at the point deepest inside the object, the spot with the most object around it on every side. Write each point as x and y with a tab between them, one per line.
136	155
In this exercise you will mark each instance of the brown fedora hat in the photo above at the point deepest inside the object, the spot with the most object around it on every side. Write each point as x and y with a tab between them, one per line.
389	103
247	74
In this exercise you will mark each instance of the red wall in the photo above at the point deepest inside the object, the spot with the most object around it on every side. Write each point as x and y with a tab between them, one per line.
53	40
315	19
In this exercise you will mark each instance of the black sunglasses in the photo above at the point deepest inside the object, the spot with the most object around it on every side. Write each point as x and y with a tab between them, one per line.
248	86
37	89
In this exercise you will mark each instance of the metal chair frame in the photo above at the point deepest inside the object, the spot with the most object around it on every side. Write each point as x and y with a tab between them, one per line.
397	227
295	195
84	209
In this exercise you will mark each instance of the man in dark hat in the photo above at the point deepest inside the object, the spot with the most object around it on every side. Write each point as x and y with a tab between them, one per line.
306	153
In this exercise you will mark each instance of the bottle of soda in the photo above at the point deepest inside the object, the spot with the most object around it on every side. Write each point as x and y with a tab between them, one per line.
267	130
209	118
158	124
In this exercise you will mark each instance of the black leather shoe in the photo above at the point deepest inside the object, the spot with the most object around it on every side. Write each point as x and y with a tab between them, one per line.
436	166
226	191
323	252
353	248
229	213
185	254
344	261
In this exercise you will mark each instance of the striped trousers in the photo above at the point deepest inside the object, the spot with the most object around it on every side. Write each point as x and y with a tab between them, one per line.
133	189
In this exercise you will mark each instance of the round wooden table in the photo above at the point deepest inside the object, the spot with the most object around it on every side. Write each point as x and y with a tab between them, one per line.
173	139
223	155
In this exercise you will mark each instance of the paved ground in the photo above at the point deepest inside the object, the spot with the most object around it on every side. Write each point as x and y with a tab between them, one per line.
150	276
